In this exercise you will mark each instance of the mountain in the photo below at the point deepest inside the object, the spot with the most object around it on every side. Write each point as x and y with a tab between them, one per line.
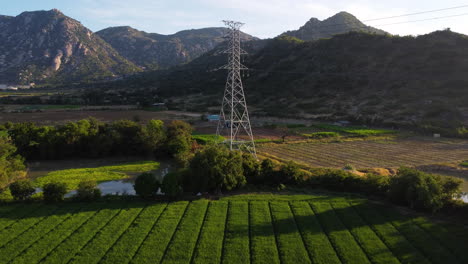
342	22
156	51
368	78
47	46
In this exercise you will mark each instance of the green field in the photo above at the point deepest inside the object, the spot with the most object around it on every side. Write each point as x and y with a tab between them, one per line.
239	229
72	177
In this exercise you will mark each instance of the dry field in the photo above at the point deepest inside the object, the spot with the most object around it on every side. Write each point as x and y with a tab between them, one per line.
370	154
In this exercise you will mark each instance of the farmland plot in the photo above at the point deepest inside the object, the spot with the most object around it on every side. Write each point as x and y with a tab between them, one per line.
369	154
306	230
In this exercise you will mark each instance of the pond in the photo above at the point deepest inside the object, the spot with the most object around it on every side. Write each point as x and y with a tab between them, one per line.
125	187
118	174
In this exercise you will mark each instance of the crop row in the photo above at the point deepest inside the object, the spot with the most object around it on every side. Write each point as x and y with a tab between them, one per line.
332	231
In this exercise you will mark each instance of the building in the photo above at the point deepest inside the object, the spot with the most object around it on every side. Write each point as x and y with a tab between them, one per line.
213	118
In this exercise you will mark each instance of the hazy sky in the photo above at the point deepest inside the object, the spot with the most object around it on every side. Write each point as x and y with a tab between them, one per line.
263	18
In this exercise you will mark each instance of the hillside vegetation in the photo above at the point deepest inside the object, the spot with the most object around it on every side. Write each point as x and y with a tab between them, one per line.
376	79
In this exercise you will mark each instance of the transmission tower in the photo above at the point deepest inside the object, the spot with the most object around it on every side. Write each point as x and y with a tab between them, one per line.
234	122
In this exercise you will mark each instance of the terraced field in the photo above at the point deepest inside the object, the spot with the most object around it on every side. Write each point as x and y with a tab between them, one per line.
369	154
252	229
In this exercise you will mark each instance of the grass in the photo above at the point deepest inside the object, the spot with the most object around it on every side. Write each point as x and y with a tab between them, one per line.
72	177
236	247
237	229
209	246
264	249
355	130
319	135
207	138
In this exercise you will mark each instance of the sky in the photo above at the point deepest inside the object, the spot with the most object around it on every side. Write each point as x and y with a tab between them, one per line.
262	18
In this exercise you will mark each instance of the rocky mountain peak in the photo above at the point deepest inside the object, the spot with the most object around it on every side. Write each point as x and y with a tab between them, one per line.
40	45
339	23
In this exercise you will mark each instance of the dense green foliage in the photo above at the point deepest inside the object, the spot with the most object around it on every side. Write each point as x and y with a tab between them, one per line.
11	164
422	190
179	140
146	185
73	177
22	189
319	229
171	185
214	169
54	191
92	138
88	191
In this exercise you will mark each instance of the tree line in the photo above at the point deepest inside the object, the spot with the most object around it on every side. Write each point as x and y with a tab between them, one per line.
90	138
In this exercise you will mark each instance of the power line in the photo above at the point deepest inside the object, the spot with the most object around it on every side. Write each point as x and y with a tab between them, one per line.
420	20
416	13
396	23
403	15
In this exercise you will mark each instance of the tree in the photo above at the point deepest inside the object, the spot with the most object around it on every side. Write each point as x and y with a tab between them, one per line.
153	136
268	171
171	185
214	169
179	140
146	185
252	169
11	164
22	189
290	173
54	191
417	189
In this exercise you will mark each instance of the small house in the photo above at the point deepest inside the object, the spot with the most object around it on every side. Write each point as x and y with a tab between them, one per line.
213	118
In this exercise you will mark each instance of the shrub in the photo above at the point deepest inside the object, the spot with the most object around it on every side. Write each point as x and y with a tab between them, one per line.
290	173
416	189
336	180
146	185
349	167
375	184
22	189
268	172
171	185
451	187
464	163
88	191
252	169
54	191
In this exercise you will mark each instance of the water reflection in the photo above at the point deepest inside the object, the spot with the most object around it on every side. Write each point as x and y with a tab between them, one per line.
125	187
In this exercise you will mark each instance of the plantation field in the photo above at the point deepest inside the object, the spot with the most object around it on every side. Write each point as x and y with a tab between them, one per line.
370	154
250	229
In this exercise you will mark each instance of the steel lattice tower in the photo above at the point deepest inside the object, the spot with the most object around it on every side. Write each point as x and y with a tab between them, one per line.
234	119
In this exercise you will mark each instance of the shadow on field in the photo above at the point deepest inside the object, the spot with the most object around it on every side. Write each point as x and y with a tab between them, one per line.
328	219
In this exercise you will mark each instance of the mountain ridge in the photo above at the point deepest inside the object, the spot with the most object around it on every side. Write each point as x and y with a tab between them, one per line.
156	51
47	45
339	23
